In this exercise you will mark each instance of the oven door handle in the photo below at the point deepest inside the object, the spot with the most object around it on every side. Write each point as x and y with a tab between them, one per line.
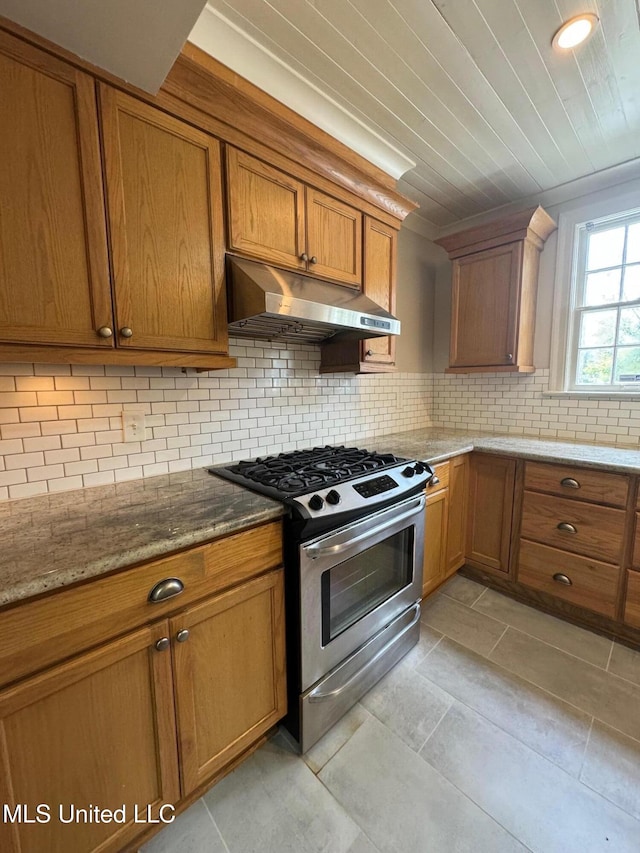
319	550
315	696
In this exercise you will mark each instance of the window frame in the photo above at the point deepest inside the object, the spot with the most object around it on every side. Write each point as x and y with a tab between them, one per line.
570	273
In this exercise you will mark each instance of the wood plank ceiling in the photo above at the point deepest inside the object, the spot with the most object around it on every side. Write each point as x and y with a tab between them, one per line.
469	89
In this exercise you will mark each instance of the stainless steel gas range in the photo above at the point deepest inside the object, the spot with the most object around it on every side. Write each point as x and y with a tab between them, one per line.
354	542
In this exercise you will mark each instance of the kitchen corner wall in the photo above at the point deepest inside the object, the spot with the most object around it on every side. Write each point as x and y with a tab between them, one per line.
61	425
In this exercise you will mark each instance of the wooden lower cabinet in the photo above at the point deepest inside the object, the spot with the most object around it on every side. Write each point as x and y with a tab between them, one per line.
491	494
632	601
435	540
229	675
445	525
98	730
142	721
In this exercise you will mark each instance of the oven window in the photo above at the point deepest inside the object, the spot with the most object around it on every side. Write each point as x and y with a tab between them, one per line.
354	588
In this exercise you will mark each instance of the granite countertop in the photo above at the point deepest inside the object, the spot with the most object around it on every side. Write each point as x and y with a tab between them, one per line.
55	540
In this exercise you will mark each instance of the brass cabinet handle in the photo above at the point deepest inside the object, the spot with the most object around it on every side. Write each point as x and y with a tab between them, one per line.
313	259
434	481
105	332
126	332
563	579
304	257
369	353
163	644
570	483
182	636
509	356
566	527
167	588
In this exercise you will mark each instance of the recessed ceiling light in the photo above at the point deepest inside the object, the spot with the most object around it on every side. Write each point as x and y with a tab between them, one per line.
575	31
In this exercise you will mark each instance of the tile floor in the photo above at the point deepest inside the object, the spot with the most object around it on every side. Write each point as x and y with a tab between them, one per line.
504	729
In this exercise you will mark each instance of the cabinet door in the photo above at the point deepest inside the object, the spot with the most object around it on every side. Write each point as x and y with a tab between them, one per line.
265	211
166	228
457	521
380	246
229	675
435	540
485	307
334	238
491	488
632	600
54	270
98	730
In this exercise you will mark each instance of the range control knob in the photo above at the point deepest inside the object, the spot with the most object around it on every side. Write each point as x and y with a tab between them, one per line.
333	497
419	468
408	471
316	502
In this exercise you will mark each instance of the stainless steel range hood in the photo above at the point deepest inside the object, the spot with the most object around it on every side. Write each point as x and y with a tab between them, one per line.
272	304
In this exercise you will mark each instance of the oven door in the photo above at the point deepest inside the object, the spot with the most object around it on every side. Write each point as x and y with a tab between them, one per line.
355	580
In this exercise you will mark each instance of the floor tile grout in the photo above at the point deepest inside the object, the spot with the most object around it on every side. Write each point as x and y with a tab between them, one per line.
213	820
495	645
610	656
586	748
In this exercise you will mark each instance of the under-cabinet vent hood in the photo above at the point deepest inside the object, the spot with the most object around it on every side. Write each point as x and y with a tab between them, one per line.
276	305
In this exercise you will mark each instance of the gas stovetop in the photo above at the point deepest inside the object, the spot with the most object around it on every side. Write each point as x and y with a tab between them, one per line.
330	481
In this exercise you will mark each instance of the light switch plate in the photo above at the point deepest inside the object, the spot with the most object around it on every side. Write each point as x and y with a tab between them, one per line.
134	426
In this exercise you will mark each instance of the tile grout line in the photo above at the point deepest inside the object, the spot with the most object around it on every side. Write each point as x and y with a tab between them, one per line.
610	656
584	752
213	820
564	651
485	590
493	648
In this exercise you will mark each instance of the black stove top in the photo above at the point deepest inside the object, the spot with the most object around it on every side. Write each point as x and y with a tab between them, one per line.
289	475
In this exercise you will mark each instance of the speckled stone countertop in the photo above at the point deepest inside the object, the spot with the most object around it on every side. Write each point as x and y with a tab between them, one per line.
51	541
55	540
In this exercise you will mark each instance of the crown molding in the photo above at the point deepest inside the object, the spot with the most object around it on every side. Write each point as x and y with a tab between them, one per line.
226	42
587	185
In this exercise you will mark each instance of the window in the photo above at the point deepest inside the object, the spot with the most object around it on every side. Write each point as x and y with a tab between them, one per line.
595	345
606	312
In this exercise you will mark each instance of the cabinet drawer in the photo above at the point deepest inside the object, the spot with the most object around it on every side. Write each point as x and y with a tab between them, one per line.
441	471
595	531
581	483
594	585
632	601
38	633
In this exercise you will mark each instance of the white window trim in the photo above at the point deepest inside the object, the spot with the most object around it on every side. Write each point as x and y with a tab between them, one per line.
564	288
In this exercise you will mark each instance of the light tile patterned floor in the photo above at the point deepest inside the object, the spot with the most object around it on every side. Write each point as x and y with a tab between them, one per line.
504	729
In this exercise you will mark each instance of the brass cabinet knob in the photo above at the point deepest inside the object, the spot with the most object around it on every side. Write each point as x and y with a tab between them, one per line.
105	332
509	356
313	259
126	332
304	257
163	644
369	353
182	636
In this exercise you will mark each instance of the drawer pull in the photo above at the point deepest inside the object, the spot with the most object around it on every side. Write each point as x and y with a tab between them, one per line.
570	483
434	481
567	528
166	589
560	578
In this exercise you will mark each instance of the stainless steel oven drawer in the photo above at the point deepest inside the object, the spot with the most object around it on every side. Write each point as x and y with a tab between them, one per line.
323	705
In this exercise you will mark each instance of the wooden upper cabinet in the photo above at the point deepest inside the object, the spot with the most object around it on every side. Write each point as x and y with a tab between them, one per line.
54	270
334	238
375	355
98	730
265	211
380	250
229	675
485	302
494	287
276	218
164	192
